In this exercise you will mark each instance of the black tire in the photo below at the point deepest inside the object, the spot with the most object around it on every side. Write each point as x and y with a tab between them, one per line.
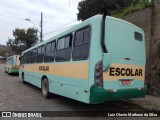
24	82
45	88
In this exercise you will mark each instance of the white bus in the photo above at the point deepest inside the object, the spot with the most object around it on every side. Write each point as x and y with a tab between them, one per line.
12	64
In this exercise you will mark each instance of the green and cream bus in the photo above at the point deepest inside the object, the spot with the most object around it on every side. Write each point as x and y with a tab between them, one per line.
12	64
101	59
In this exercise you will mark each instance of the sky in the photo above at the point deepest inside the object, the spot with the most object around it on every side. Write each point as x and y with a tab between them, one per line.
57	15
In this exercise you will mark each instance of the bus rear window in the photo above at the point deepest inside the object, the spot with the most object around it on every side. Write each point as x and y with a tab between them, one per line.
138	36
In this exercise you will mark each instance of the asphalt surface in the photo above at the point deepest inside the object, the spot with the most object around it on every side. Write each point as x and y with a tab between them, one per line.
15	96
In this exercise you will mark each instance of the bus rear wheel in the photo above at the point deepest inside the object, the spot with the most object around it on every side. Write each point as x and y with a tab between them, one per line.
45	88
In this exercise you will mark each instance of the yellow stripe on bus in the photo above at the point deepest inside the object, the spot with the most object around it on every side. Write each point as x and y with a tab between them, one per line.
107	76
12	66
80	70
73	70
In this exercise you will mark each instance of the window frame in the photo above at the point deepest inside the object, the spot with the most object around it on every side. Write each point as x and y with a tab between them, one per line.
74	45
70	34
51	42
40	53
65	36
54	41
140	35
46	47
34	50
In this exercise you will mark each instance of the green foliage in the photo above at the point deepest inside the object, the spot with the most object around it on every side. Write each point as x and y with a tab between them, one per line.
132	8
3	53
23	39
89	8
118	8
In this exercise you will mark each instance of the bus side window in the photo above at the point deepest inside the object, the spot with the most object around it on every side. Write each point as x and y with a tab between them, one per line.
27	54
33	55
23	58
53	48
64	47
50	52
29	57
87	35
81	46
38	55
79	37
42	54
31	60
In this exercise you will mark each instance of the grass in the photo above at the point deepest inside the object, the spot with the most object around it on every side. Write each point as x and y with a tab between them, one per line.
131	9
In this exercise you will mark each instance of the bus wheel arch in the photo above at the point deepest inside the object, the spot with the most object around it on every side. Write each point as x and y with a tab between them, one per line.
45	87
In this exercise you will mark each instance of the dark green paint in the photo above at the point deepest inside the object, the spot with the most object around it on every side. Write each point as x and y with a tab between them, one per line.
99	95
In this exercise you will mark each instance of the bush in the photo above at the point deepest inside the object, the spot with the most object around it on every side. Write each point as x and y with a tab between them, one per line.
131	9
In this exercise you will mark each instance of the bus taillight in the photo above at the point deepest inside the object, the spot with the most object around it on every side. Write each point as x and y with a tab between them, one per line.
98	74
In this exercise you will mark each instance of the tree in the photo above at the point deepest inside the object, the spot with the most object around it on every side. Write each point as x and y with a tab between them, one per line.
89	8
3	53
23	39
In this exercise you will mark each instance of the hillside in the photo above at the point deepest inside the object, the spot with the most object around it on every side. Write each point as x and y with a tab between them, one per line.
5	51
3	47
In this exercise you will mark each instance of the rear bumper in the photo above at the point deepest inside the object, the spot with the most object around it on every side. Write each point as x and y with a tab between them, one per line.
99	95
14	70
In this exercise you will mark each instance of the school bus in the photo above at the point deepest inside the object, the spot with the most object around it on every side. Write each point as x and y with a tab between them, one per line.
101	59
12	64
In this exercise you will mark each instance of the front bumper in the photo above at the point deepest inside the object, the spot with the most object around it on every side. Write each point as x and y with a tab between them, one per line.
99	95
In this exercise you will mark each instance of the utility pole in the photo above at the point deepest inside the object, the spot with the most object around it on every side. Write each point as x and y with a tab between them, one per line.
41	35
41	25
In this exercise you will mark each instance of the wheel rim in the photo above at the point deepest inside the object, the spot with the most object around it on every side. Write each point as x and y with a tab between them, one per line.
44	88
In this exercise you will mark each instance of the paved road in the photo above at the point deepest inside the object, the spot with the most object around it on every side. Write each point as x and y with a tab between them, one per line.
14	96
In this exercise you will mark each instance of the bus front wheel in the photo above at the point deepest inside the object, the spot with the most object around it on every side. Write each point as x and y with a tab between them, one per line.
45	88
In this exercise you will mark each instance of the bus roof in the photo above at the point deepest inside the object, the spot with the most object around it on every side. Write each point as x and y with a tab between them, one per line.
124	22
78	26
